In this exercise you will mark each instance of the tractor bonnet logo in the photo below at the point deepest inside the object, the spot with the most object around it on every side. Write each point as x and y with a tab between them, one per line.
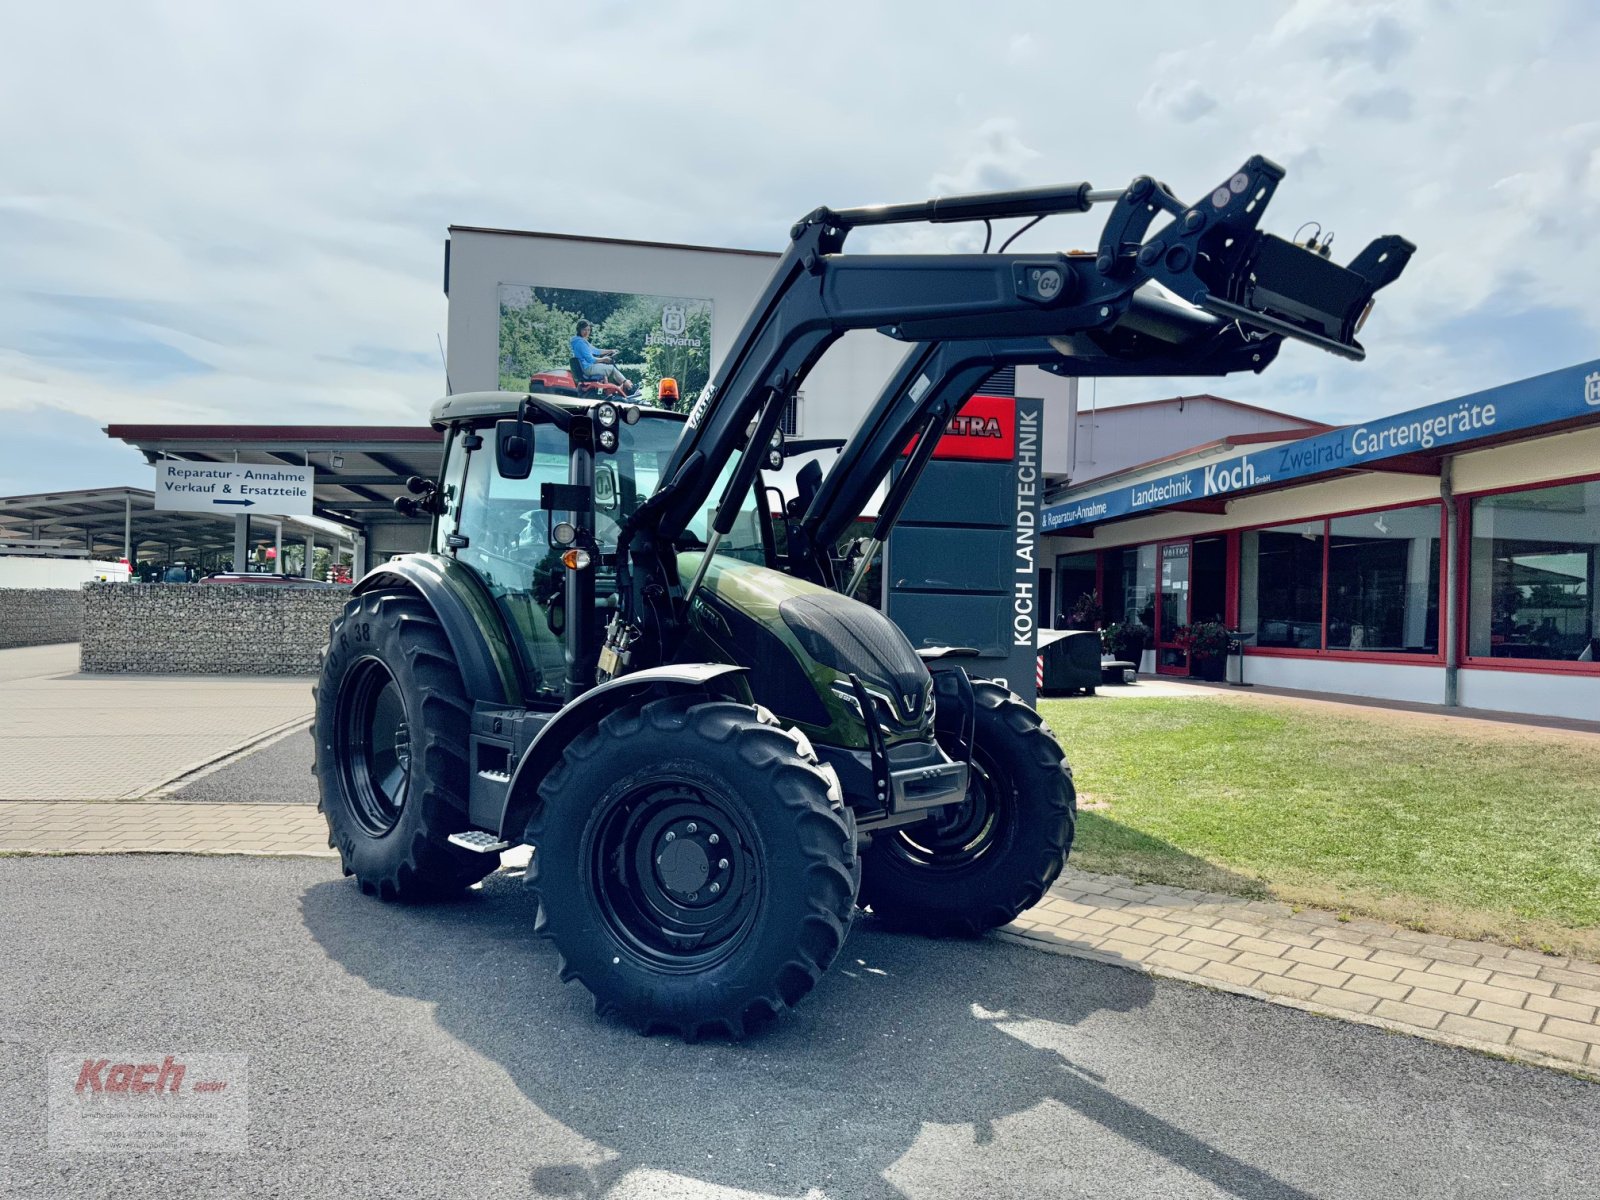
1591	390
674	320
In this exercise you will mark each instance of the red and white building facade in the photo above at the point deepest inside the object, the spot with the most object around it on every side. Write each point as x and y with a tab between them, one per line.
1450	555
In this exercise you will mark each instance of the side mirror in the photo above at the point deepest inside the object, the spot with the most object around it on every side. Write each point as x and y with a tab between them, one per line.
513	448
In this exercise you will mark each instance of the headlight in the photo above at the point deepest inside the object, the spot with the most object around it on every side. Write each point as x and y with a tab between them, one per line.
774	459
608	440
606	414
630	415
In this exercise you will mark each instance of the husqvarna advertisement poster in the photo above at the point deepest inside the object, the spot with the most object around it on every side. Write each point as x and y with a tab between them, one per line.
611	340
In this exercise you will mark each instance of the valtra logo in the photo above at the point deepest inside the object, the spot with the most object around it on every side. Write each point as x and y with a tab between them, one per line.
985	430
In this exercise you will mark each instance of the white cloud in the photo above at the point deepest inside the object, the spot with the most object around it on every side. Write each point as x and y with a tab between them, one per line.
237	213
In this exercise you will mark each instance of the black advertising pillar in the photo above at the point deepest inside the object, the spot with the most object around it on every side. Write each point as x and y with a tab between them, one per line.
960	568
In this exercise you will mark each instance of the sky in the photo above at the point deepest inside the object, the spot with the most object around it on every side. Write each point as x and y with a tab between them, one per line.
236	213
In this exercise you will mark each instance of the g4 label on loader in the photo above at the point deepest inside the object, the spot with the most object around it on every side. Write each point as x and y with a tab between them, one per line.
717	755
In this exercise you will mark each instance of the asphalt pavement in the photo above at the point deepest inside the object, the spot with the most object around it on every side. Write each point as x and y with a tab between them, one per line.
277	773
402	1052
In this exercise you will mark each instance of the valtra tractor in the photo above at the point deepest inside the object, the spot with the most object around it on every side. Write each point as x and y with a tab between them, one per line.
716	753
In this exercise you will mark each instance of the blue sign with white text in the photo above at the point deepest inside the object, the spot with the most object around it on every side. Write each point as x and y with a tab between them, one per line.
1526	404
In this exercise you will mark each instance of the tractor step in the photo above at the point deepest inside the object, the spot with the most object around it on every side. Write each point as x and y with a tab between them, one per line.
480	841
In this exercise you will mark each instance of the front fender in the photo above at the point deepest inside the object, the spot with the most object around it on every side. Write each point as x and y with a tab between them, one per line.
590	709
472	624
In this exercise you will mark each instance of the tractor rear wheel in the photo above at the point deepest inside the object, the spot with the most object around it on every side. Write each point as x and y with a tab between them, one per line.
695	866
979	866
391	733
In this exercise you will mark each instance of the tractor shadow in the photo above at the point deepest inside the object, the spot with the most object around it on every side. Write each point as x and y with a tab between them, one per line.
901	1034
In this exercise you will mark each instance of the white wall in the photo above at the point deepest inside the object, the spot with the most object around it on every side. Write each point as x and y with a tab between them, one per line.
1113	439
64	573
1417	684
1545	694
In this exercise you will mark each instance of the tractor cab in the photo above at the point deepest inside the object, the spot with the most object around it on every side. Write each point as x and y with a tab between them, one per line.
586	466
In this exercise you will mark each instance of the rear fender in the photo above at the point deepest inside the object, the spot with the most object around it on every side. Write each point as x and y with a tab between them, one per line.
472	624
588	710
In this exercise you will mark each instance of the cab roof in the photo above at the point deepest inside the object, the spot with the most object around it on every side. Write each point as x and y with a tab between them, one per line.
465	406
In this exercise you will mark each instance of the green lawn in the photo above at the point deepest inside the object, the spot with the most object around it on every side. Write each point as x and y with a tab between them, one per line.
1453	827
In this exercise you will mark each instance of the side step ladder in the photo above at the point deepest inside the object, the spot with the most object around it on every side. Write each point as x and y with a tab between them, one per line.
479	841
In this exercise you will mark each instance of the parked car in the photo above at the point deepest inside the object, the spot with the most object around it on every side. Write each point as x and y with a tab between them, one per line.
264	577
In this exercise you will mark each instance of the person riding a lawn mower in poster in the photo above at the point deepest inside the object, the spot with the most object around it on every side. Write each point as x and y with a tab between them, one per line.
602	343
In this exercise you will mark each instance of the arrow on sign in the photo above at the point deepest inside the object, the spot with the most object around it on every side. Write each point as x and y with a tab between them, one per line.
233	501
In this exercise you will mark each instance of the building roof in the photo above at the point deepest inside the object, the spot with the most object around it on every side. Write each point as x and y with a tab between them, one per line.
360	469
95	520
612	241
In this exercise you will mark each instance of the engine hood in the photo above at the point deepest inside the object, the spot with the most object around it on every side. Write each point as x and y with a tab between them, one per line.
801	643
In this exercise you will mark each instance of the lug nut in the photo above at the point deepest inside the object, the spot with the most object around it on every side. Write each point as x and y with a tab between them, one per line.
715	888
671	837
692	827
713	839
722	864
694	895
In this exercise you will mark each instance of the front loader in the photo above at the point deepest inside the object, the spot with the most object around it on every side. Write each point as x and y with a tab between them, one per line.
604	655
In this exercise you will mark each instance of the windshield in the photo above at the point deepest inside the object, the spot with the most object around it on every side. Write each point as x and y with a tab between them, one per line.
503	518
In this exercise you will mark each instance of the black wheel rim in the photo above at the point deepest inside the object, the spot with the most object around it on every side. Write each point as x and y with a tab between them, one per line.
966	832
675	875
376	754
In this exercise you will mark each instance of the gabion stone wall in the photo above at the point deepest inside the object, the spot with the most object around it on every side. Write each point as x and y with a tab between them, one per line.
207	629
40	616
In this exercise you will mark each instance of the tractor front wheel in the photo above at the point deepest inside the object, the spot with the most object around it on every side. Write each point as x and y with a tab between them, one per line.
695	866
993	856
391	750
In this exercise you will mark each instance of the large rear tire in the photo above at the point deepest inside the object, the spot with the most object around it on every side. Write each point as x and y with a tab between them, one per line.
995	856
391	735
695	866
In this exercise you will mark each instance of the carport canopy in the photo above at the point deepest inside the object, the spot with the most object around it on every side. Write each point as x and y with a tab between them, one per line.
123	522
360	469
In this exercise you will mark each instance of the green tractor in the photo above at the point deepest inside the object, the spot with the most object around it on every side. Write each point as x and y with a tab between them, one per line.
610	653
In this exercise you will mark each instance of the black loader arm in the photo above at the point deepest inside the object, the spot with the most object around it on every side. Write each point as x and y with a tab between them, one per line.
1206	293
935	379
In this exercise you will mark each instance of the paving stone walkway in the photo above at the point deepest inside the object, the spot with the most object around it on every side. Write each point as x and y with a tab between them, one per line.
67	736
1515	1003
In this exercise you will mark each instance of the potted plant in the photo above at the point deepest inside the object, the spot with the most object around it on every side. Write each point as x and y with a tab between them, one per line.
1087	613
1125	641
1207	644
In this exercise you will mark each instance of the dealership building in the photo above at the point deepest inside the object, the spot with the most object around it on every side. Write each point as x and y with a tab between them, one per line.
1446	555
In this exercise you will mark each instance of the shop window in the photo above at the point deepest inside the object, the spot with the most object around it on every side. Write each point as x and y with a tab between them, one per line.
1534	592
1280	585
1383	581
1075	580
1130	581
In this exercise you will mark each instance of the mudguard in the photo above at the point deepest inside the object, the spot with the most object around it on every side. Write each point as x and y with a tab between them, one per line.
471	622
522	795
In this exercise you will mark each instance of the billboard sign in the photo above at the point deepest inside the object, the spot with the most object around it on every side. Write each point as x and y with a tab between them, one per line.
249	488
1524	405
654	337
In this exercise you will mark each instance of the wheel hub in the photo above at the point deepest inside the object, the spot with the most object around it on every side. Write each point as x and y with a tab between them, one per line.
688	864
